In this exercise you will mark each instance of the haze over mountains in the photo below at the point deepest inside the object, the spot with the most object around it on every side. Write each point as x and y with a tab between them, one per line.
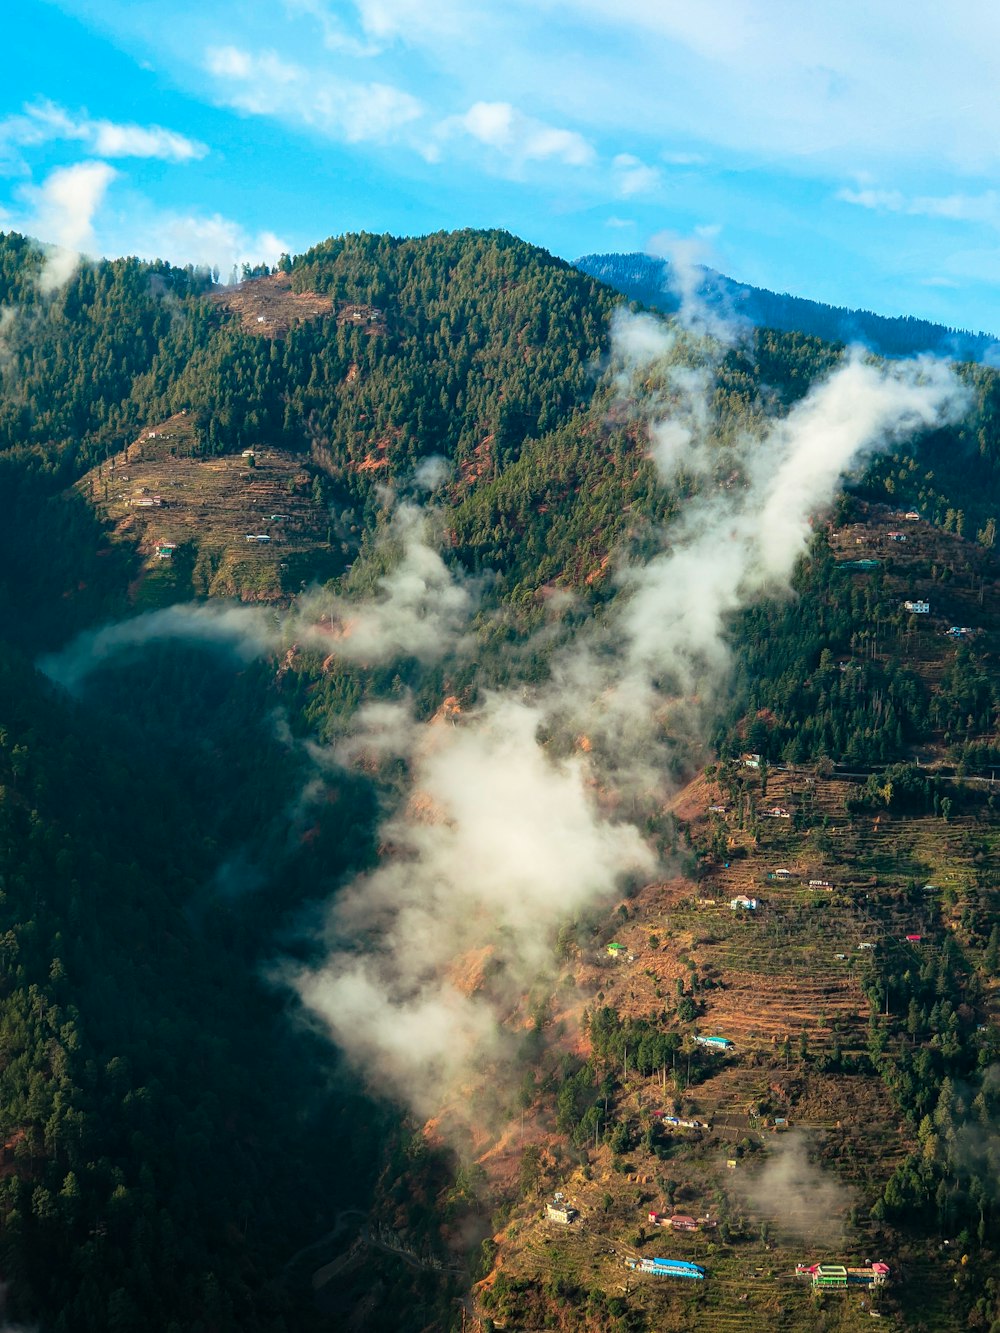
657	284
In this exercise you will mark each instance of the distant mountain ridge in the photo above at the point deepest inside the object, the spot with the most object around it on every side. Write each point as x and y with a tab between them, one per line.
647	279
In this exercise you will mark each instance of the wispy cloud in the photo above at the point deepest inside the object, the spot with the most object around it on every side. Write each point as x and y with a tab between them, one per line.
264	84
520	138
813	82
678	159
375	25
63	211
336	37
421	610
239	630
415	20
689	277
43	121
66	213
633	177
499	842
891	201
206	240
976	208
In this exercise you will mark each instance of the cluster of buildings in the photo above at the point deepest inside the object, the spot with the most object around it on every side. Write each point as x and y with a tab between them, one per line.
822	1276
677	1122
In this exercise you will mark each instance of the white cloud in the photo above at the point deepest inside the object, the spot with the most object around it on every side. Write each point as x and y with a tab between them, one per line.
618	222
682	159
420	610
264	84
521	138
112	140
66	214
44	121
64	206
335	36
823	86
633	177
729	545
499	843
978	208
891	201
241	630
389	20
203	240
689	277
976	264
228	62
960	207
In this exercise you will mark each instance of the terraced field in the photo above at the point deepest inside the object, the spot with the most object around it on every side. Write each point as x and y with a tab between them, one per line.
786	983
192	518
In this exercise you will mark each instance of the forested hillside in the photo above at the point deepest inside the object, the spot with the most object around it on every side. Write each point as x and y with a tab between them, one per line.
392	512
173	1137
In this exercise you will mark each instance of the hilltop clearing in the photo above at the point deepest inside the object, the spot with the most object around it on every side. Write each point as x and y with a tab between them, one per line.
267	307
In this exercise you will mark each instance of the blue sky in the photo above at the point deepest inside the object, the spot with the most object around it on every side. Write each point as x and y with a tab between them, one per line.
845	152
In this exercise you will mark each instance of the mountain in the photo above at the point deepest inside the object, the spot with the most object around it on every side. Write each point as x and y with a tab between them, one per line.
647	279
408	657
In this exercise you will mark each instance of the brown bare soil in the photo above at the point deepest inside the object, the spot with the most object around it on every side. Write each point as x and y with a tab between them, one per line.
693	801
268	308
181	510
477	467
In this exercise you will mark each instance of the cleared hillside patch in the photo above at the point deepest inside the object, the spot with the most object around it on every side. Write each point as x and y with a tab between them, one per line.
242	525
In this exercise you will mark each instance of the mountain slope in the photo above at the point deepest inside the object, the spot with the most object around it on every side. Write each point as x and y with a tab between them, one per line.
486	480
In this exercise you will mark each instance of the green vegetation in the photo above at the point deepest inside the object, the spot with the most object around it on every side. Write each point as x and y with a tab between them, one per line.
175	1143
